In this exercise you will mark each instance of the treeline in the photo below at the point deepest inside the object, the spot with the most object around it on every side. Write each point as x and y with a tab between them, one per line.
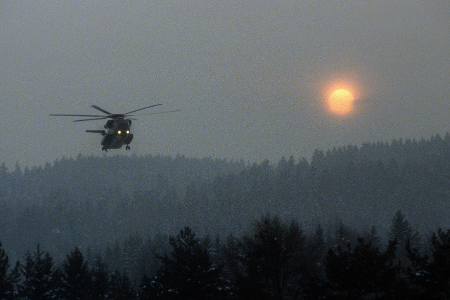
98	200
275	259
94	201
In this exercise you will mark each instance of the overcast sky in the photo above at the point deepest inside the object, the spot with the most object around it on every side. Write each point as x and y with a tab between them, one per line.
250	77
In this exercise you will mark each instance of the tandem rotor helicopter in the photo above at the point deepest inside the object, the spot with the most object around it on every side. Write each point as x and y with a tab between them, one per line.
117	129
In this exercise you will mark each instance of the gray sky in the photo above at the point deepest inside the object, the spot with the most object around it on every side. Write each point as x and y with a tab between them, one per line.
250	77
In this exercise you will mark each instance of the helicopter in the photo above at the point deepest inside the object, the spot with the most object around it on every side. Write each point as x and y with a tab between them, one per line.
117	129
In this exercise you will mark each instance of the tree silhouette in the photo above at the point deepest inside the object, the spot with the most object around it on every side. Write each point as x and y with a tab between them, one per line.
187	272
121	287
373	237
40	280
100	280
363	271
274	261
77	281
343	234
401	231
429	276
8	279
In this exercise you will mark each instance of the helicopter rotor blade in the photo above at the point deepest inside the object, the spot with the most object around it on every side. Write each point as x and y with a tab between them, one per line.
159	112
101	109
70	115
142	108
93	119
113	116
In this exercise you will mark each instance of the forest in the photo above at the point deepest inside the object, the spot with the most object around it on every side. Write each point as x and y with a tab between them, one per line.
131	218
275	260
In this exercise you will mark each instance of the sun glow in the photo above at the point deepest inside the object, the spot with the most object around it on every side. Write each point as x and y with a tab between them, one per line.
341	102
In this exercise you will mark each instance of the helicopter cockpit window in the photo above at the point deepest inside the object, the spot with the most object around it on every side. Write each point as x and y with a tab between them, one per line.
124	126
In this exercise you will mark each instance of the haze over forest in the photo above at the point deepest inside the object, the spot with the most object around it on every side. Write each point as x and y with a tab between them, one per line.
94	202
120	214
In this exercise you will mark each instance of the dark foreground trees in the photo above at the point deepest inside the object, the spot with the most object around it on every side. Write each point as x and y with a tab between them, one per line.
402	231
76	279
187	272
363	272
8	279
430	275
273	262
40	279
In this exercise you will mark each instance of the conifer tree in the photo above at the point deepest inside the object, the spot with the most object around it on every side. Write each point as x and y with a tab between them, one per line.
8	279
402	231
77	280
373	236
39	280
5	285
100	280
187	272
148	289
318	244
343	234
362	271
429	276
275	262
121	287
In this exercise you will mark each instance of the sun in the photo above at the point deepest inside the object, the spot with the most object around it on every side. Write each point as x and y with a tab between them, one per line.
341	102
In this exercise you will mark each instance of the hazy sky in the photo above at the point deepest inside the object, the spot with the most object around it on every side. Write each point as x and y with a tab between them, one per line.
251	77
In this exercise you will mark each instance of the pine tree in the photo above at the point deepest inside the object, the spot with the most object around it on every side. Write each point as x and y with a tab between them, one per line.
8	279
5	285
362	272
77	280
149	288
429	276
401	231
38	272
342	234
373	237
100	280
121	287
318	243
274	260
187	272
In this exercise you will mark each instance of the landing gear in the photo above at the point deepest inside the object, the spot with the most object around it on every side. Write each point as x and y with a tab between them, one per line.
127	147
105	149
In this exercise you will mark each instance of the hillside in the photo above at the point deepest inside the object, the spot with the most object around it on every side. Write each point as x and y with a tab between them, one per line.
92	201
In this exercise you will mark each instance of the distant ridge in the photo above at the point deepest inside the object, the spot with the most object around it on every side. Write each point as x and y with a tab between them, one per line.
96	200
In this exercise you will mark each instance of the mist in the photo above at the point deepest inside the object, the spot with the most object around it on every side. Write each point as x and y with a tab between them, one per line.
250	78
252	137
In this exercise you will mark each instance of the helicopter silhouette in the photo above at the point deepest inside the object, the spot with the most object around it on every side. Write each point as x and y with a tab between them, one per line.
117	129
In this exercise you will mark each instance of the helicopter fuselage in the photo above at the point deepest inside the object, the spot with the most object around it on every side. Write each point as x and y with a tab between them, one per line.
117	134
